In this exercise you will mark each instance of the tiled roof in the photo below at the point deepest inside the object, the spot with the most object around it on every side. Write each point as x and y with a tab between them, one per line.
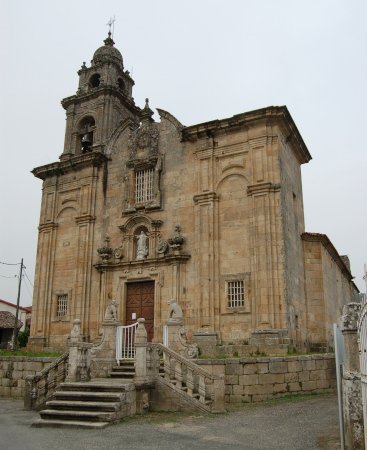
24	308
7	320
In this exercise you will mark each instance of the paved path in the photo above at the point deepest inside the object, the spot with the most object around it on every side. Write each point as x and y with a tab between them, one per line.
309	423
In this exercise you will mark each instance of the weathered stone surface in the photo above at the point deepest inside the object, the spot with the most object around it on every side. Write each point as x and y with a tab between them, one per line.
262	367
249	369
231	186
304	376
247	380
282	387
15	370
317	375
231	379
309	385
294	387
291	377
234	369
278	367
294	366
308	364
270	378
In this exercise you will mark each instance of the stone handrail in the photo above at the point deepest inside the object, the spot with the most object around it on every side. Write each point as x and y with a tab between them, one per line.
40	387
185	375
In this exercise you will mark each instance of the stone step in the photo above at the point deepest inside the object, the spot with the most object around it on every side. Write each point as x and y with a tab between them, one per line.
83	405
90	387
91	416
125	375
130	369
40	423
89	396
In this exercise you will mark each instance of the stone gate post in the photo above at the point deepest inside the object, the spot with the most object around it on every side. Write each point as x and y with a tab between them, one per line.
352	393
141	344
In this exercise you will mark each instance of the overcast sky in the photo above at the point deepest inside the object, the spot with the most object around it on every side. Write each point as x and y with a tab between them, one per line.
200	60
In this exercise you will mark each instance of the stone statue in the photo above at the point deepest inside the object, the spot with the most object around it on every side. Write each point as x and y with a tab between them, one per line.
141	248
111	312
175	313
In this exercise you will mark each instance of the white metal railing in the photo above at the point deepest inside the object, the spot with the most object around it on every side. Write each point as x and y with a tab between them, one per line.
125	342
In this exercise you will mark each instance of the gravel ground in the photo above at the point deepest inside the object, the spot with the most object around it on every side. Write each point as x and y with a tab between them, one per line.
307	423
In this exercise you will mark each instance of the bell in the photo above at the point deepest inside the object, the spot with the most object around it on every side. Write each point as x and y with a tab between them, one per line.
86	142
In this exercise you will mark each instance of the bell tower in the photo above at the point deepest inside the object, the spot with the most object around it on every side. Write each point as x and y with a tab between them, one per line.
102	101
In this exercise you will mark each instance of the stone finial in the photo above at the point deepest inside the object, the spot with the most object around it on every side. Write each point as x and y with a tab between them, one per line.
349	319
146	113
109	41
177	239
106	251
141	336
75	333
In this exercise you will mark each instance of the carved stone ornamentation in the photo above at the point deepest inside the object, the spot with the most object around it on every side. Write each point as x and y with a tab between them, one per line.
106	251
162	247
143	142
177	239
118	253
190	350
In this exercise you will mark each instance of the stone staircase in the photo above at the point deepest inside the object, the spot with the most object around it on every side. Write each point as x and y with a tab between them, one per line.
92	404
126	370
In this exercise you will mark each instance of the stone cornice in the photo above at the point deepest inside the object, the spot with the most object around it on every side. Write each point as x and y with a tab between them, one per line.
329	247
274	114
98	93
149	262
47	226
263	188
205	197
87	218
70	164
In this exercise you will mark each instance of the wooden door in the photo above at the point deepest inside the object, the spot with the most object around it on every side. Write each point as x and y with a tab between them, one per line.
140	303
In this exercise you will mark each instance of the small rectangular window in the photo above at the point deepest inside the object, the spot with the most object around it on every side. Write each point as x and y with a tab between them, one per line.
62	305
235	294
144	186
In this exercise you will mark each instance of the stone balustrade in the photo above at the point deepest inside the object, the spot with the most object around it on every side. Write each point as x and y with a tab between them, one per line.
186	376
40	387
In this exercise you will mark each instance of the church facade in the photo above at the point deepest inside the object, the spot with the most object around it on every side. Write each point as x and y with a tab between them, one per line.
210	215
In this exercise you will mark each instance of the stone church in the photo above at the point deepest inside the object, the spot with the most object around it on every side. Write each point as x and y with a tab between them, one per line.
209	215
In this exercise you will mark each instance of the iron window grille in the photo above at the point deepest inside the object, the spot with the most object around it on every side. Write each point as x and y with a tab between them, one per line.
62	305
144	186
235	294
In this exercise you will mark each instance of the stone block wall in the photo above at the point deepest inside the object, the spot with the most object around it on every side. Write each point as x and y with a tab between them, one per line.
250	380
15	369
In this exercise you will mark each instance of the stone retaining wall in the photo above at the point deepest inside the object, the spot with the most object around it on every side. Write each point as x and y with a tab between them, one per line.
14	370
256	379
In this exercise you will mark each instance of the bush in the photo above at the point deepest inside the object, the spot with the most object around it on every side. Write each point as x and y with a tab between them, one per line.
23	337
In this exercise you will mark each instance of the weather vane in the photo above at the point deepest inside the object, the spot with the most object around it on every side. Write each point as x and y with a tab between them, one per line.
111	24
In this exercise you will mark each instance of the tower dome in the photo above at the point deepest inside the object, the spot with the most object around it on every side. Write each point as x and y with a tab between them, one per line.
108	53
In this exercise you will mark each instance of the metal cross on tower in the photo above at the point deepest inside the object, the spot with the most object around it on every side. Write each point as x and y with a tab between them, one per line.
111	25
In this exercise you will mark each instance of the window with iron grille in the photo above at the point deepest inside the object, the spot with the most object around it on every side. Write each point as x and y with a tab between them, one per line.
235	294
143	186
62	305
